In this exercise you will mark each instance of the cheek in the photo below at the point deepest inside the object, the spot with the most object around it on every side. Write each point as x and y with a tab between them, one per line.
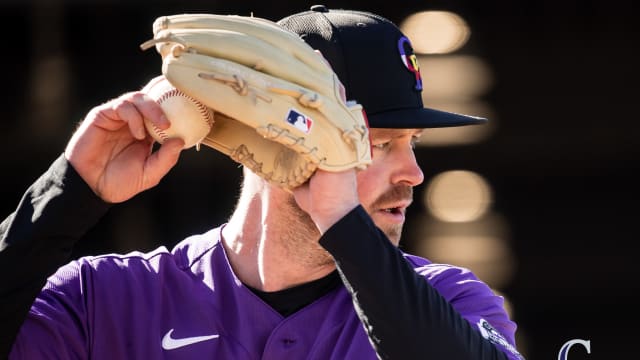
370	184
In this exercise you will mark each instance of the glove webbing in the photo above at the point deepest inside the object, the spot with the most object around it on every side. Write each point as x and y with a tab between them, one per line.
243	156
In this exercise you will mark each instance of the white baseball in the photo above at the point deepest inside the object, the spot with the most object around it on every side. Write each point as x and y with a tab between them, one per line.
190	119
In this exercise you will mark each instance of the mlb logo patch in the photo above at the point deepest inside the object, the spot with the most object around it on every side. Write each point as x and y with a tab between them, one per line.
300	121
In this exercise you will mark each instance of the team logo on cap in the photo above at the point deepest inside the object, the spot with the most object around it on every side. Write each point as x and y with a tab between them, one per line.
410	60
299	121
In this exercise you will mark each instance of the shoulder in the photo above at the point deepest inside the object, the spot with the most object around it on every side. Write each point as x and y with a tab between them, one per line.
192	249
138	264
453	282
89	268
470	296
447	277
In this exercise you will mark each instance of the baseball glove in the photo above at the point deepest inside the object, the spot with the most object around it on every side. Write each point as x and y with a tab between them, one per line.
279	107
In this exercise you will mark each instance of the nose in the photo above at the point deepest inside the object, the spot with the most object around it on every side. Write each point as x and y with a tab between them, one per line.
406	169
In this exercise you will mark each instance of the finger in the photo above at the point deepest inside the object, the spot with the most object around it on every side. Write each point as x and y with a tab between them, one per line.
161	161
128	112
152	82
301	195
151	110
104	116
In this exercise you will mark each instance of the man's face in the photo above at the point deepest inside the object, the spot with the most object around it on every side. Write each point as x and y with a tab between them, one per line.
385	188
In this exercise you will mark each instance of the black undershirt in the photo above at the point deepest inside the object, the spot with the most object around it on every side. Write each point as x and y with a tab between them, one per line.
288	301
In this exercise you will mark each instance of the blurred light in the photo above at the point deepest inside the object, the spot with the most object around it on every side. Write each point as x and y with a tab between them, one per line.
435	32
49	81
480	246
486	256
50	71
458	196
460	135
454	77
49	97
455	83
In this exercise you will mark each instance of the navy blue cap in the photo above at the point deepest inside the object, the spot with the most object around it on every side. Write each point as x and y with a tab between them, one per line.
376	64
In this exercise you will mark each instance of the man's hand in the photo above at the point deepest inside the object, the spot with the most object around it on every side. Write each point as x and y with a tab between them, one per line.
328	196
112	151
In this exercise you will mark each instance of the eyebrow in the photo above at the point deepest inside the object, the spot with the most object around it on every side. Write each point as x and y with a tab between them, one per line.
393	133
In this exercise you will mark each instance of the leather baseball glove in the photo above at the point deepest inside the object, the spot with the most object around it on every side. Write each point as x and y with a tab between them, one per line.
279	107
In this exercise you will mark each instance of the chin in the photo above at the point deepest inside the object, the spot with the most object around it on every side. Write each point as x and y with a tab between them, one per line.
392	230
393	234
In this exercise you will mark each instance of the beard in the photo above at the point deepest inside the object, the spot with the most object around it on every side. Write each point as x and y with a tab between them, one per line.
394	195
301	235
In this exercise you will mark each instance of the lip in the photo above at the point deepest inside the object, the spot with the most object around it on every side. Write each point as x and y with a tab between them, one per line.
398	213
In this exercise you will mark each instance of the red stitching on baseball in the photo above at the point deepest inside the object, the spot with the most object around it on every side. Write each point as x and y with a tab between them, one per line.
161	134
204	111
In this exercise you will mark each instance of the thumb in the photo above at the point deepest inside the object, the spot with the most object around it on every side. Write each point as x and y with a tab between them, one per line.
160	162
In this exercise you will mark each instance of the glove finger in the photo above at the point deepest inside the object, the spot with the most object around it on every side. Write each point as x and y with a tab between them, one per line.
248	51
251	26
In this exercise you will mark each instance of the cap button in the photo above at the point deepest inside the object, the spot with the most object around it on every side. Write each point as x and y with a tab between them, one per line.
319	8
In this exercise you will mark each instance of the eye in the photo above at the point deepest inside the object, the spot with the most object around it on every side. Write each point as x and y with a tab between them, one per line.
381	146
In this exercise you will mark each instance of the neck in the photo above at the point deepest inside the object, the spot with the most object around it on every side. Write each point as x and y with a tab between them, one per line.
271	243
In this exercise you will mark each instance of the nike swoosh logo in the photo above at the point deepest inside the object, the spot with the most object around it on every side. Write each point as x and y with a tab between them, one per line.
169	343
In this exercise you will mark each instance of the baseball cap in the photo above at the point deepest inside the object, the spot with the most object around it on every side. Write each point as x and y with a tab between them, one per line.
375	62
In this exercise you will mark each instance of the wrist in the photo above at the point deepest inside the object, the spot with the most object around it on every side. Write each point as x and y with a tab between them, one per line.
325	221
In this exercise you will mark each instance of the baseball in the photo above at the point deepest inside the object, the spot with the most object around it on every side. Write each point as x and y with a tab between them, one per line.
190	119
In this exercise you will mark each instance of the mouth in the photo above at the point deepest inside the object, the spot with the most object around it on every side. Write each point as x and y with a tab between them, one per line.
396	211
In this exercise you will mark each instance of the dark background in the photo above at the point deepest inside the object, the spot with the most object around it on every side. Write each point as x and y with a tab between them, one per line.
563	162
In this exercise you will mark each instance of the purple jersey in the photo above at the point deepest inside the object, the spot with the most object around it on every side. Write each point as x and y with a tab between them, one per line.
189	304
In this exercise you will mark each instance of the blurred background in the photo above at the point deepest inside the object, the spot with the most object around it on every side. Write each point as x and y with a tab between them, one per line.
541	204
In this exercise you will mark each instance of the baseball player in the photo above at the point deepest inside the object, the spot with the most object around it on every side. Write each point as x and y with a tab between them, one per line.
310	273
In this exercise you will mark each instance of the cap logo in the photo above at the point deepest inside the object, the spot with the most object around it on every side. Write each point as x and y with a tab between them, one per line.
410	60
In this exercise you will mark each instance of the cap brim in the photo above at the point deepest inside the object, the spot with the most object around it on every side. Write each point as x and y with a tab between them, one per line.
421	118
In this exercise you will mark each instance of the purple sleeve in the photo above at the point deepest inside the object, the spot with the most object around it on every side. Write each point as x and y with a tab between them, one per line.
56	324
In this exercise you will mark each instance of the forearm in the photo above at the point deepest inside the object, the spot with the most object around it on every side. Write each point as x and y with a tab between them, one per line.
405	317
36	239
